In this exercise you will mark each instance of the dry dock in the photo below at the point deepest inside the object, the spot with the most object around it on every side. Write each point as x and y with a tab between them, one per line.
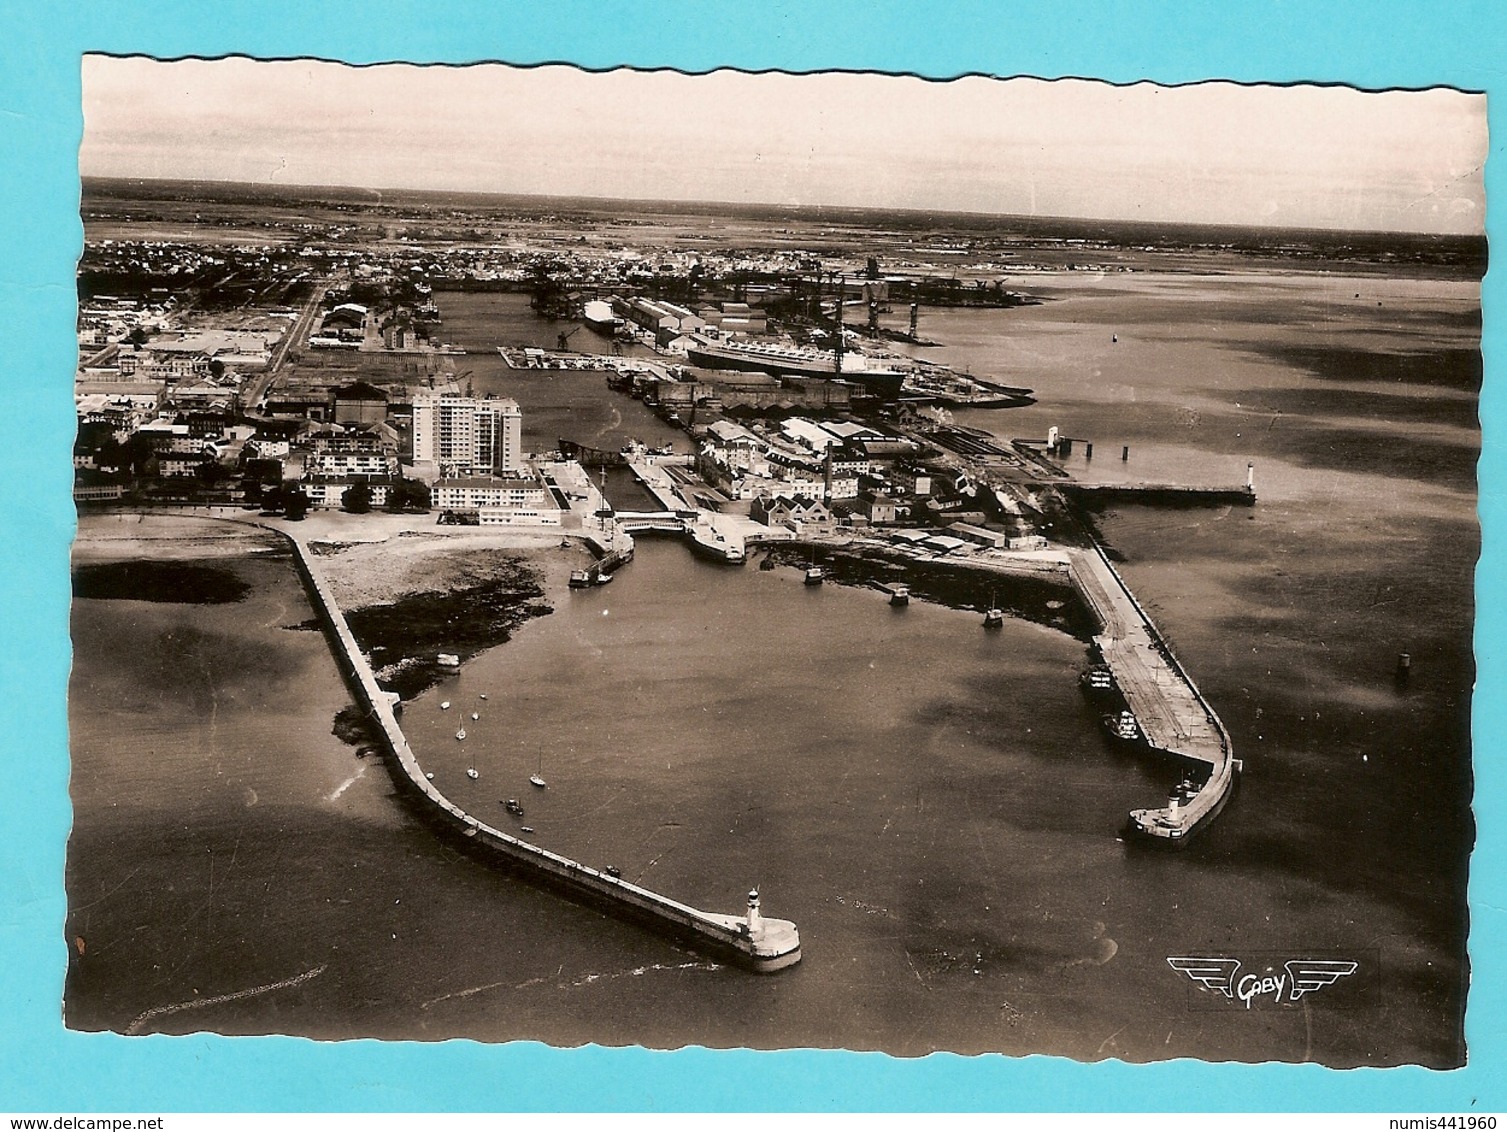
750	940
1172	714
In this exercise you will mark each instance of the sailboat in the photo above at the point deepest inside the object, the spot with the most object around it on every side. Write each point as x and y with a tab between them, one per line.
814	573
537	778
461	734
471	772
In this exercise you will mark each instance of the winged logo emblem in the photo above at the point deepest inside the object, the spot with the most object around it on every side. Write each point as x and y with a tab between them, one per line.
1211	974
1309	975
1301	976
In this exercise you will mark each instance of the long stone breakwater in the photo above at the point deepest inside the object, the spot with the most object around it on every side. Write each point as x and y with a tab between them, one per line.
752	940
1171	714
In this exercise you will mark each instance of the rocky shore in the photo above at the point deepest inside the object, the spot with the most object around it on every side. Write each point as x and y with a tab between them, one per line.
409	598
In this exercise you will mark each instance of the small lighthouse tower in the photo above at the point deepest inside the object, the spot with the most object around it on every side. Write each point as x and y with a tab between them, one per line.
755	917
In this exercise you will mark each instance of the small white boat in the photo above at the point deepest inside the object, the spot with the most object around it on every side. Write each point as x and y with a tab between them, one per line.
815	575
475	715
471	772
525	829
429	774
535	780
444	705
482	696
461	734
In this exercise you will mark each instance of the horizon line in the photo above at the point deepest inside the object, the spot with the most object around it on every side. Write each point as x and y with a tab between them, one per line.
609	200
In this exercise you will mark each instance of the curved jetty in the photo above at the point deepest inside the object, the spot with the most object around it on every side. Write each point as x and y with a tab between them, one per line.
749	940
1172	714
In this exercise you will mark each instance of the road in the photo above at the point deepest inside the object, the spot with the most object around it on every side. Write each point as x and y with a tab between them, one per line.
298	334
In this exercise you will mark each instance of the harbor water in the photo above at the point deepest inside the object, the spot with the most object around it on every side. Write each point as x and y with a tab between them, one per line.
933	805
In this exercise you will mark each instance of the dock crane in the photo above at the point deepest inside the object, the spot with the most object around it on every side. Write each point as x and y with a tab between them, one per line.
563	341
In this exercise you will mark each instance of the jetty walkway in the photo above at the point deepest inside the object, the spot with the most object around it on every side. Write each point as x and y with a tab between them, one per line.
750	940
1172	714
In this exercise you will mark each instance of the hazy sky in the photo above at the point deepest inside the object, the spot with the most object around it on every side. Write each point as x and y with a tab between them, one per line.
1216	152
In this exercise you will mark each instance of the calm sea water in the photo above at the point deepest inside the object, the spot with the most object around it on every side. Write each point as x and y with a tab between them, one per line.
931	804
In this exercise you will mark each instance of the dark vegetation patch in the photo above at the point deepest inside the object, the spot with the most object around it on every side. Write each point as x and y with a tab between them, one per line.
354	728
403	638
177	582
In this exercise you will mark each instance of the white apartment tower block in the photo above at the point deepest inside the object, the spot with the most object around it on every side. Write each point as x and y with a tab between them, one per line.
468	435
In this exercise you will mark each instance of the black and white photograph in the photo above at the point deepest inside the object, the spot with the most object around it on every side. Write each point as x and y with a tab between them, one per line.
776	561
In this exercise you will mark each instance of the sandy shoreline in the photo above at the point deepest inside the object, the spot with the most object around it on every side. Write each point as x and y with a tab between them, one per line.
368	560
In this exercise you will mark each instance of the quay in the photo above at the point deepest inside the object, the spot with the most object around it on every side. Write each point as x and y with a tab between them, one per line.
751	940
1166	493
1172	715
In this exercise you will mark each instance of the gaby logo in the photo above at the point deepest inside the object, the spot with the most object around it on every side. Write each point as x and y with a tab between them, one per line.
1297	977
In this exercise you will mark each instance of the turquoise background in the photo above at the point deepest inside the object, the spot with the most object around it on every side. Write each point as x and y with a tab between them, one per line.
43	1068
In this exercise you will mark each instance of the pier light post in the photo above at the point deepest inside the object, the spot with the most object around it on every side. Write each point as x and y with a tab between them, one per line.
755	917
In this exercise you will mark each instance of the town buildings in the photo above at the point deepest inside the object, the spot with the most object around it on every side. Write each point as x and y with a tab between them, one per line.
467	436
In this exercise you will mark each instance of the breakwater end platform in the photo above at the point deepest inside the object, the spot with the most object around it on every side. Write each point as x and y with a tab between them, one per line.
1172	715
752	940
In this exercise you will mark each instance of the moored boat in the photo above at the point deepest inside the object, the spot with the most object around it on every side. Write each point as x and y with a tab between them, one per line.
994	616
1123	727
